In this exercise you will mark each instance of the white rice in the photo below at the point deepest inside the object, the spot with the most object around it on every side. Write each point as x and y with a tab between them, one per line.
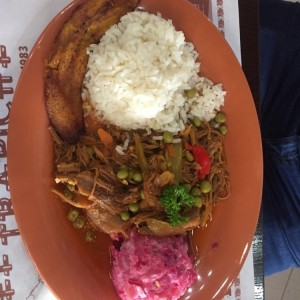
139	71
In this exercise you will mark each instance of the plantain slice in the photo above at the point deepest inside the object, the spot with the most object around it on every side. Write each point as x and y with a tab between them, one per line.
66	65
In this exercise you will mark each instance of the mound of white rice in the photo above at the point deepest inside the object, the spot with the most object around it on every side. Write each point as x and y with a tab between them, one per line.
139	71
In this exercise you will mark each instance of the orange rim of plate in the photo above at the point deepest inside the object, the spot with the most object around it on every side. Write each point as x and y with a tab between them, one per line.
76	270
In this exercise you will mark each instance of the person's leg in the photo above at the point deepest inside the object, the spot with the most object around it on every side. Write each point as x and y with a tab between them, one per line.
281	204
280	126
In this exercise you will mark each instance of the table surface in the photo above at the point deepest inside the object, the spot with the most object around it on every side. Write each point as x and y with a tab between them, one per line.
249	35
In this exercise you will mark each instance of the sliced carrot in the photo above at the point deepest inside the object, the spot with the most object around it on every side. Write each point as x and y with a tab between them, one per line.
106	138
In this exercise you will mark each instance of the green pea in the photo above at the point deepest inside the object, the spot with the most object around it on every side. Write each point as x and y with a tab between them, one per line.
168	137
90	236
205	186
142	194
214	124
196	121
122	174
68	194
73	214
189	156
137	177
223	129
220	118
79	222
125	216
134	207
190	93
188	186
196	191
198	202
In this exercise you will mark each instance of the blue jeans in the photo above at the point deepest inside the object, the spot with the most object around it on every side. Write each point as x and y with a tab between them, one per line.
281	204
280	127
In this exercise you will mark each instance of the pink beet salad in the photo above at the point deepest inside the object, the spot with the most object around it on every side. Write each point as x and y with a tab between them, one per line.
152	268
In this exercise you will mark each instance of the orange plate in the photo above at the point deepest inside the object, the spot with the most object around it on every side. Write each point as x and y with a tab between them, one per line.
76	270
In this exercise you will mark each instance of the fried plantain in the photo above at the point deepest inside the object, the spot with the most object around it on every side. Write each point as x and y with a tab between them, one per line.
68	59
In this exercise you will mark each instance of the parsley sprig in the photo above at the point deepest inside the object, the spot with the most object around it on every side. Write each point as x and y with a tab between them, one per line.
173	199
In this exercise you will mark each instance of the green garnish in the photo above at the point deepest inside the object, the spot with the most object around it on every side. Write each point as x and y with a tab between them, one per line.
174	198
